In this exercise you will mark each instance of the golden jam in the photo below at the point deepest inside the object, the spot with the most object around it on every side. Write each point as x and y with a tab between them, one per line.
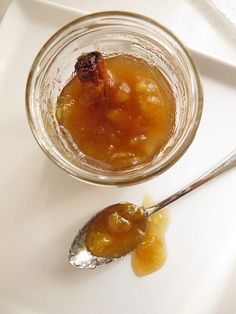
116	231
150	254
130	124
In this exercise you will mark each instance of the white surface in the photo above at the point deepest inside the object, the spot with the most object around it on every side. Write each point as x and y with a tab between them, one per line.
206	25
41	208
227	10
3	6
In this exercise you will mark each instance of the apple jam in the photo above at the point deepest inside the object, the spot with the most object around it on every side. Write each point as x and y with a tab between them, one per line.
125	227
150	254
118	109
116	231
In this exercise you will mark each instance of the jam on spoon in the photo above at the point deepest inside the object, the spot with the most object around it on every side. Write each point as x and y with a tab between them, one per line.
124	227
116	231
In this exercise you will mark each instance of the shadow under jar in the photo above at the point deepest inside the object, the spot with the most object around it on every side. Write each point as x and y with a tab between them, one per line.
111	33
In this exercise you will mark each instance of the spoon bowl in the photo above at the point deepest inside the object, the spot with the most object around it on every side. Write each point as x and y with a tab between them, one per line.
80	256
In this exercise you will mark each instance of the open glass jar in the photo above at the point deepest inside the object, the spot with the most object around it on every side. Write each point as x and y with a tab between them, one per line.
111	33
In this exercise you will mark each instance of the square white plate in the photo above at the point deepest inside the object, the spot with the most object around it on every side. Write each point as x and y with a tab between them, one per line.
41	208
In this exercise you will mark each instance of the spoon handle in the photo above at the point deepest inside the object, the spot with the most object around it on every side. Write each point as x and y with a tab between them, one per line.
226	164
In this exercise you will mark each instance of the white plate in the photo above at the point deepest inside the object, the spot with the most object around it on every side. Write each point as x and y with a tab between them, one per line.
41	208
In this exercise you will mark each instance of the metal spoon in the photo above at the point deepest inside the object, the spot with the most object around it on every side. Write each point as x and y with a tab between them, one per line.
80	257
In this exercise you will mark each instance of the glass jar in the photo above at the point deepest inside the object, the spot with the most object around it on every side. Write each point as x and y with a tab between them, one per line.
111	33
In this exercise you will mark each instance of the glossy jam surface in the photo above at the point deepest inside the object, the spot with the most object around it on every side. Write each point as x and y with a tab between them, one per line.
150	254
124	227
131	126
116	230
